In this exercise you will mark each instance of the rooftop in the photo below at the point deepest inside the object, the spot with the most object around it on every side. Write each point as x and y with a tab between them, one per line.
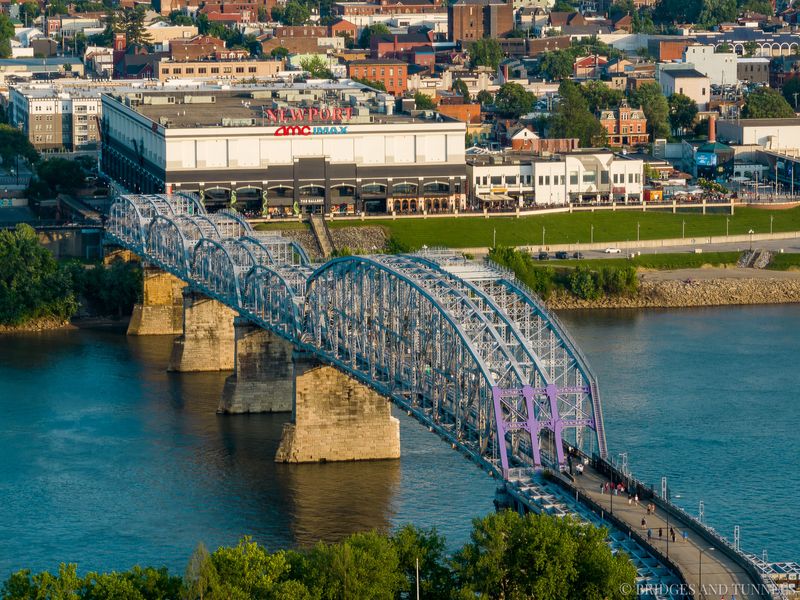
788	122
684	73
260	105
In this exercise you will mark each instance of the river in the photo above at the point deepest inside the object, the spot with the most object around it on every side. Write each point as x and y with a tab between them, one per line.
109	461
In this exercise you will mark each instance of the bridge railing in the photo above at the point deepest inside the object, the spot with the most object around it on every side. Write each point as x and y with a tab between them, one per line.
769	590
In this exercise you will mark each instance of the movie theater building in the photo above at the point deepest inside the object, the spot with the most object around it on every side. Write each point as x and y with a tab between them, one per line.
285	148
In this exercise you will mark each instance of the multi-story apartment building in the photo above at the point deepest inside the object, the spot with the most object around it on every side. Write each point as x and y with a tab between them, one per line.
57	119
625	126
392	73
236	70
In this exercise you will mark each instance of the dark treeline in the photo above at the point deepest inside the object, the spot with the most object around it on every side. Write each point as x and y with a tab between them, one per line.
33	285
508	557
582	282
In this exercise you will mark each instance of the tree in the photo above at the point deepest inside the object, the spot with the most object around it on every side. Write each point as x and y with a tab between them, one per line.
460	88
652	101
642	23
378	85
791	91
677	11
201	580
177	17
61	174
682	112
6	33
365	39
316	67
598	95
247	570
486	52
537	556
556	65
427	547
750	49
280	52
766	103
130	21
32	285
295	13
485	97
513	100
14	144
424	102
573	119
717	11
760	7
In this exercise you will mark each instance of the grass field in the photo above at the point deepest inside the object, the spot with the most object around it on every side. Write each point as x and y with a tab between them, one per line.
472	232
785	262
289	225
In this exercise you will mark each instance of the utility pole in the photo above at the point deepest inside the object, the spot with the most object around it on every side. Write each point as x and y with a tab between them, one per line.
418	578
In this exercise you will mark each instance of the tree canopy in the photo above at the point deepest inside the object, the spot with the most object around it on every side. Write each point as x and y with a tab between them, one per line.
486	52
556	65
766	103
61	174
6	33
316	67
509	557
130	21
791	91
573	119
424	102
512	100
652	101
459	87
365	39
682	112
598	95
13	144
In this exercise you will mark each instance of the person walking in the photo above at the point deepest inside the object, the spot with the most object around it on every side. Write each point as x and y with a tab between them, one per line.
672	534
644	523
660	533
649	535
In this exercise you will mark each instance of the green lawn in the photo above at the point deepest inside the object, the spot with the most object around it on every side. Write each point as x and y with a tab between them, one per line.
683	260
288	225
471	232
784	262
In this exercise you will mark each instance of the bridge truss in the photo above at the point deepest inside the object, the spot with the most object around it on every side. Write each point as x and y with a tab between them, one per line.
464	346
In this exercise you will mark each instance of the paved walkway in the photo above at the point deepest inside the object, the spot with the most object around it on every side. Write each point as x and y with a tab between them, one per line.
719	575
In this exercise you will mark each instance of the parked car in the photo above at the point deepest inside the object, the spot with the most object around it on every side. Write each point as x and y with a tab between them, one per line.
578	255
612	251
561	254
543	256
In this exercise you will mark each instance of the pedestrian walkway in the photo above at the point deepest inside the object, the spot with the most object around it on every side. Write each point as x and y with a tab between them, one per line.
704	569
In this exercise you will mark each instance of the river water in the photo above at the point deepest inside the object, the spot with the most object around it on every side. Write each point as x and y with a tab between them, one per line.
108	461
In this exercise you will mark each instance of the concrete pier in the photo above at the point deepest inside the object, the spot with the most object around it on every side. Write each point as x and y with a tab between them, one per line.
263	380
161	310
207	342
336	418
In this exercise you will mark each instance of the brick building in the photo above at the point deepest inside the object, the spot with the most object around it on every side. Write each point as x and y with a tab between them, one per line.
392	73
469	20
219	69
199	47
625	126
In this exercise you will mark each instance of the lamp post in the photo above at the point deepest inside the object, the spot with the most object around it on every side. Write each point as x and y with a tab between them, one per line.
637	231
727	223
592	234
770	223
700	570
543	230
751	239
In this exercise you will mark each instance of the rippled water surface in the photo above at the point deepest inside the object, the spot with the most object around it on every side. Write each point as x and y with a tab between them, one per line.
106	460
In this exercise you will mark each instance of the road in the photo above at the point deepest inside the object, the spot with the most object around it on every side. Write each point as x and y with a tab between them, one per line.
788	245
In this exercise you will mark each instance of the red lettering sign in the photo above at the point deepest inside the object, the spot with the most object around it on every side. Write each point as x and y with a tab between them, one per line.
287	130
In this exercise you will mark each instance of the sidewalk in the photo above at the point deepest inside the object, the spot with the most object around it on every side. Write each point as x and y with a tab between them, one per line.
719	575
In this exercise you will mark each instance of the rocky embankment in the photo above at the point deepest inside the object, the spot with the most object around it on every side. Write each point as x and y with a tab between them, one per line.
686	293
36	325
360	240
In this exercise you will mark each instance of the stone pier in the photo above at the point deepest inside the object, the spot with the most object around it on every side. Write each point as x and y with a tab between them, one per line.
161	310
263	377
335	418
207	341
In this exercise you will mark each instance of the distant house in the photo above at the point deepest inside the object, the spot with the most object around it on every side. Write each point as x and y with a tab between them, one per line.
589	67
625	126
689	82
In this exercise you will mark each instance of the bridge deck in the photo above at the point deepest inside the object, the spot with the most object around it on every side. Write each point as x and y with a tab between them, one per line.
721	577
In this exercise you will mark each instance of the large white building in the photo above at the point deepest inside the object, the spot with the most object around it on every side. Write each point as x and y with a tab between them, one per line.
285	148
515	179
719	67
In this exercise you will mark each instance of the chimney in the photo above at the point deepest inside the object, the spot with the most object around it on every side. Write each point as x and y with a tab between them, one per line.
712	128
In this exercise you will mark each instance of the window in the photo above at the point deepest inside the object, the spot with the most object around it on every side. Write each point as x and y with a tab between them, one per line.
603	176
637	177
251	69
630	177
704	91
547	179
496	180
165	71
573	178
511	179
561	178
240	69
541	179
176	70
589	177
215	69
201	70
189	70
227	70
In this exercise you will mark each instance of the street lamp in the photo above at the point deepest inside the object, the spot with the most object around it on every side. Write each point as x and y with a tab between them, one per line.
770	223
543	235
683	229
727	222
592	234
751	239
700	570
637	231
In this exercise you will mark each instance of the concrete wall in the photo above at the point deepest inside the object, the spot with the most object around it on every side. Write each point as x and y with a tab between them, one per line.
207	343
161	310
336	418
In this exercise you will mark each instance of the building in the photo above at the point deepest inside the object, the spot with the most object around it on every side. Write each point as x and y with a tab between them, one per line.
772	134
470	20
689	82
589	67
57	118
625	126
667	48
392	73
753	70
515	180
236	70
40	68
719	67
284	149
196	48
161	32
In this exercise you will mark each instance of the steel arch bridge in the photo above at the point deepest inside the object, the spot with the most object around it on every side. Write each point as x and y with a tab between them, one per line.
464	346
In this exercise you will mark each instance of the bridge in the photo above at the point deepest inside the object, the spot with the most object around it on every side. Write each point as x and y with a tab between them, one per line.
463	347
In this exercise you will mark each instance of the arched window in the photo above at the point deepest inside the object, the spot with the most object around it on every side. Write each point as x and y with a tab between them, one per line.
373	188
436	187
404	188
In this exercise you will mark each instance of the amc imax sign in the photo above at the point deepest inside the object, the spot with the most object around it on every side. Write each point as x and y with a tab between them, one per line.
287	130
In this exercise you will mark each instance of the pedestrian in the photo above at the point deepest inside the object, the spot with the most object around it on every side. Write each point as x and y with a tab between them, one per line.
649	534
602	488
660	532
685	536
636	499
630	499
672	534
644	523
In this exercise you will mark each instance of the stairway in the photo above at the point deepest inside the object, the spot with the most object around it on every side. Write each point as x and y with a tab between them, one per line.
323	235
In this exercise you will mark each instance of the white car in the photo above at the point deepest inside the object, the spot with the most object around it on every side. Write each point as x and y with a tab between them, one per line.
612	251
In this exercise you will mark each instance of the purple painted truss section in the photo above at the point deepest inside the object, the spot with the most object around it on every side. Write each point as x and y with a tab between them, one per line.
515	410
